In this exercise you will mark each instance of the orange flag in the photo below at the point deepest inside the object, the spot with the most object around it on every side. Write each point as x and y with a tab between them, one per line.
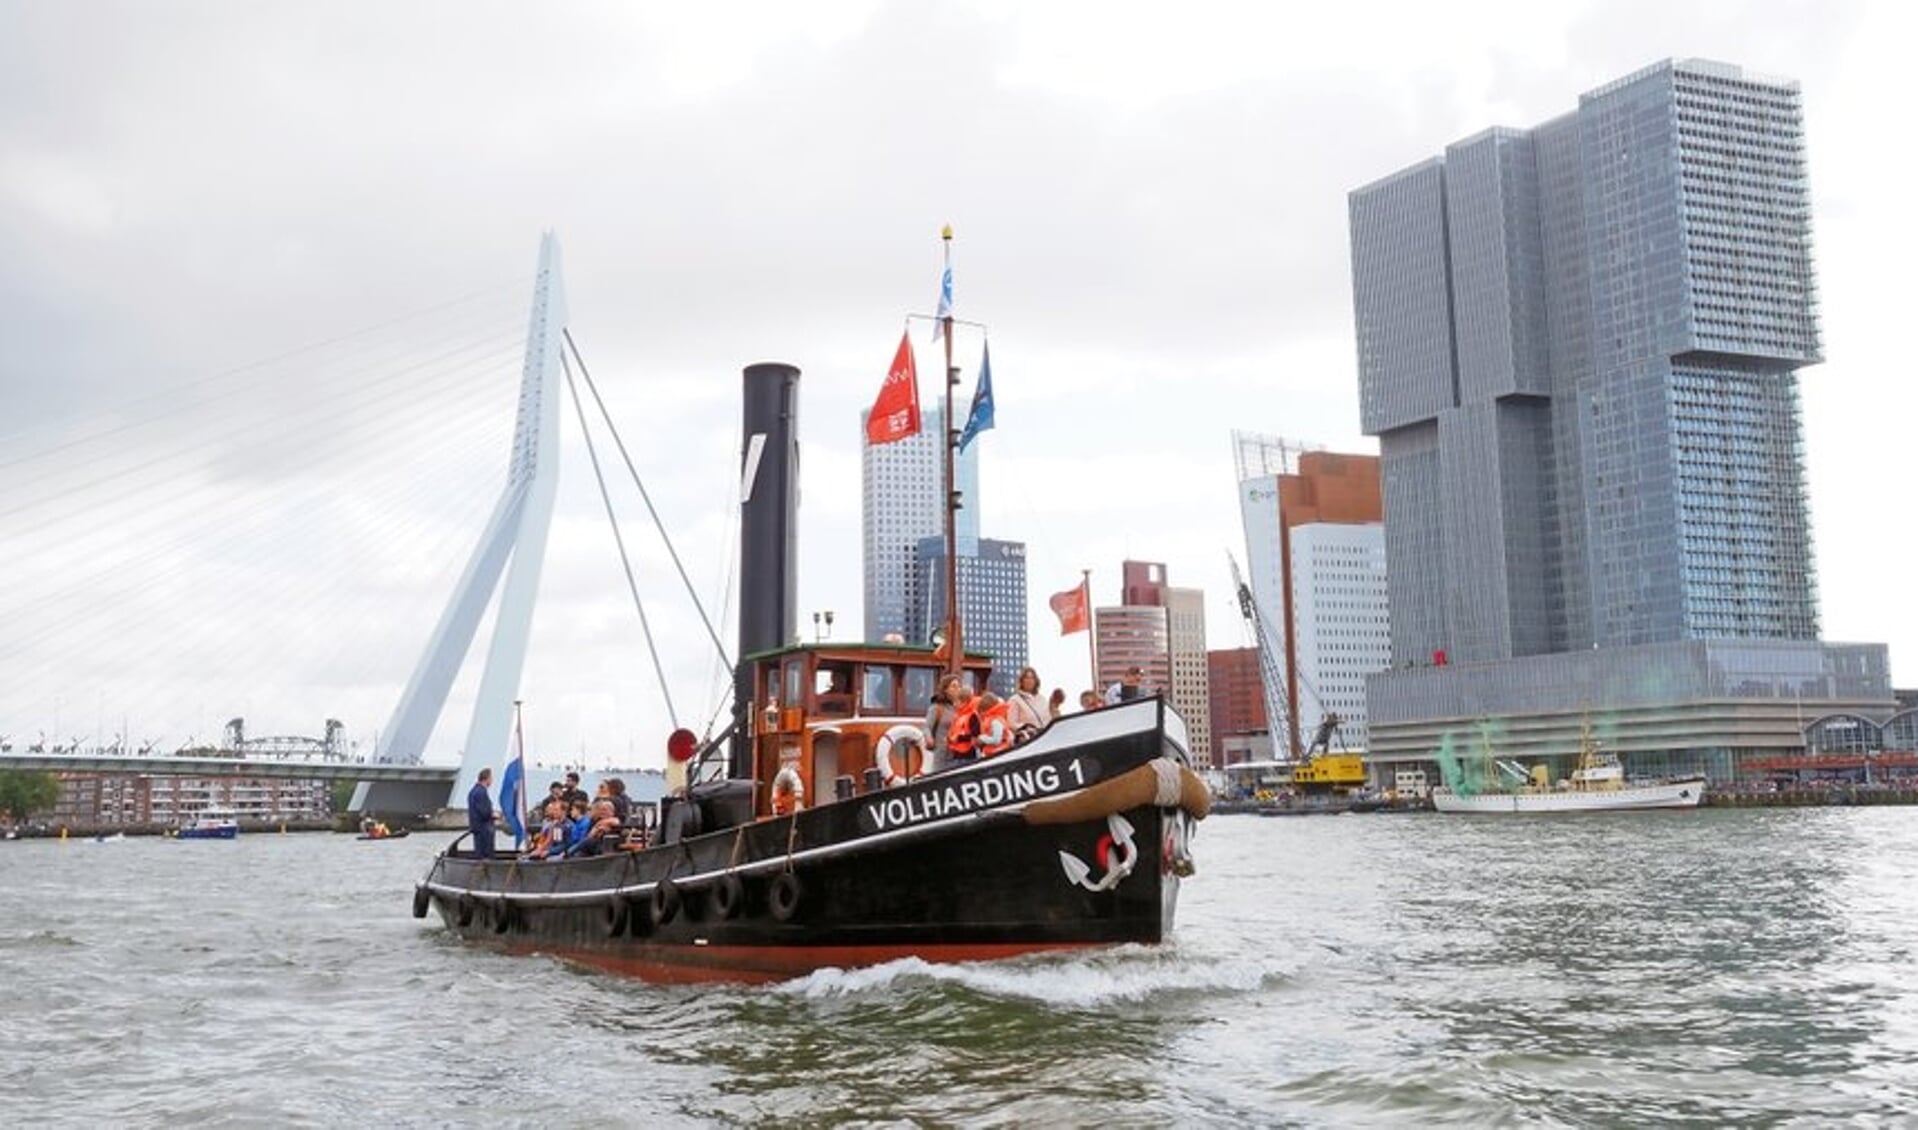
895	415
1070	608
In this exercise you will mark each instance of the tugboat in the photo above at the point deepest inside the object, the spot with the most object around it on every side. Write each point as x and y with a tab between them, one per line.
820	837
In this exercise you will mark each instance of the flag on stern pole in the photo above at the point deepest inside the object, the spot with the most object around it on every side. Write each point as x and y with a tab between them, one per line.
945	303
1071	608
895	415
980	418
512	797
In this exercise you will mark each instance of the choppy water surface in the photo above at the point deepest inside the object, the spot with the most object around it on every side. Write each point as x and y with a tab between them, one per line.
1708	967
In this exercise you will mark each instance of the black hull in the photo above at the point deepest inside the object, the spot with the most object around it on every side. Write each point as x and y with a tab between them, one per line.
950	867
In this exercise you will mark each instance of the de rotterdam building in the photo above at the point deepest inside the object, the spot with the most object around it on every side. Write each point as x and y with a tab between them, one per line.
1580	347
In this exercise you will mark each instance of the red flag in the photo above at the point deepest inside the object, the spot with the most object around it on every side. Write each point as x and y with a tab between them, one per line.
895	415
1070	608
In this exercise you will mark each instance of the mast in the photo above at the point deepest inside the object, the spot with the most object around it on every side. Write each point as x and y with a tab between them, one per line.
955	641
1092	630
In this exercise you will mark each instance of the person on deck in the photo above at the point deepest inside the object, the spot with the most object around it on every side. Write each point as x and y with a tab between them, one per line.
603	835
1056	705
962	734
578	825
616	795
574	794
952	697
1090	700
994	716
551	840
1127	688
480	815
1027	713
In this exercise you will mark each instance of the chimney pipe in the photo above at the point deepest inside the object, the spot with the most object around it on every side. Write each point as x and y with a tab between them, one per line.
768	534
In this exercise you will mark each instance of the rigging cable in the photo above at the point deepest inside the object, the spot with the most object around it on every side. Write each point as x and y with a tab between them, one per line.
625	562
646	497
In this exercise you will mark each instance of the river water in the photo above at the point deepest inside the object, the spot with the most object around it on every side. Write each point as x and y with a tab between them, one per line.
1748	966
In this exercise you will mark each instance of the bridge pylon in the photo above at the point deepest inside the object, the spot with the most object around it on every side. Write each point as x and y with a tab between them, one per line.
514	545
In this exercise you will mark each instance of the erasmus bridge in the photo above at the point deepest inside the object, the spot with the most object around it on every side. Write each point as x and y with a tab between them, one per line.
271	539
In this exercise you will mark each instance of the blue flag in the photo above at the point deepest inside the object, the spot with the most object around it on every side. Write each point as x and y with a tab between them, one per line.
945	303
980	418
512	798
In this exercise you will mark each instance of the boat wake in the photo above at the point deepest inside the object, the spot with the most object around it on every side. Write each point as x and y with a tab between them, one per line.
1124	975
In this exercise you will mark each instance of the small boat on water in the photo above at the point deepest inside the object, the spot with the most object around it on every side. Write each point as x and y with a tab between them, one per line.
377	830
815	833
210	824
1597	784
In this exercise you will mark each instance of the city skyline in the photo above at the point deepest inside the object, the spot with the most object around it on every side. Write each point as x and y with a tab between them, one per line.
1152	279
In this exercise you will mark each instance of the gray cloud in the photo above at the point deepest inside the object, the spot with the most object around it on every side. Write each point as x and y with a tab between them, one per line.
1151	210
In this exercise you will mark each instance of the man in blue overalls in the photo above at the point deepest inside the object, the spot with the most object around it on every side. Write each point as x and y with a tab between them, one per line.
480	816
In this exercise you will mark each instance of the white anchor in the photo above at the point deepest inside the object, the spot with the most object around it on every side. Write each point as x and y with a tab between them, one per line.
1125	853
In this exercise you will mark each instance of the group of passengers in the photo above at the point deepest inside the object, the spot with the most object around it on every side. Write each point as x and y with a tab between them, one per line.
571	824
964	727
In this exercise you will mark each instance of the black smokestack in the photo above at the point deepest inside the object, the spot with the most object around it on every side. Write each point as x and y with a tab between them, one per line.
768	534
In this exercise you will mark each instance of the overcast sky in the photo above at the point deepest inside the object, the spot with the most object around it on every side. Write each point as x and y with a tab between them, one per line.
222	221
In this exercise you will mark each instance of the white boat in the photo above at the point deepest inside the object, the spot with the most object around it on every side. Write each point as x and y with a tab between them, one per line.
1682	792
1598	784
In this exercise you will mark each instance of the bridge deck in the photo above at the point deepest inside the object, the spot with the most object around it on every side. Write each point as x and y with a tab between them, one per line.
230	767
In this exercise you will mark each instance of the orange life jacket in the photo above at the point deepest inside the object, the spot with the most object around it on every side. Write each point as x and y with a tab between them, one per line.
1001	714
960	738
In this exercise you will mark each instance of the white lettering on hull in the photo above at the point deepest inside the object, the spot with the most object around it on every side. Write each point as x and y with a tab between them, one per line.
969	796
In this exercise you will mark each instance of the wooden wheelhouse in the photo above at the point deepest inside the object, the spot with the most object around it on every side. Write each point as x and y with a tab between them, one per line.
825	711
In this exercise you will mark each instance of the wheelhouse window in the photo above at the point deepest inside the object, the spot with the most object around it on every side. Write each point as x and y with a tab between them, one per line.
875	691
919	686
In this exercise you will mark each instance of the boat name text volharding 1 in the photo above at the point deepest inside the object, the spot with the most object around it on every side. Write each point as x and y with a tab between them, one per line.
962	797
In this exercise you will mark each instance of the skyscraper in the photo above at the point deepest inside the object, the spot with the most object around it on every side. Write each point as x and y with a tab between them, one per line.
1579	347
1316	549
1160	629
992	602
900	506
1235	702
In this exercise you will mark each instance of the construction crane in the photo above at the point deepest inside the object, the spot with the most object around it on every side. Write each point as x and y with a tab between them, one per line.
1317	764
1271	678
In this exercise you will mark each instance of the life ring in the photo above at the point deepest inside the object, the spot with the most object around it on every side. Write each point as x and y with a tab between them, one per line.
666	900
729	896
422	900
785	896
882	753
789	792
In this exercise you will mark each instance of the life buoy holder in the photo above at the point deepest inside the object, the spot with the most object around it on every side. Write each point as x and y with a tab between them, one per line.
882	753
789	792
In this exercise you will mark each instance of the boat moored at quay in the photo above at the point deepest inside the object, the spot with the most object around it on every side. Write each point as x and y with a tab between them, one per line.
1489	784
